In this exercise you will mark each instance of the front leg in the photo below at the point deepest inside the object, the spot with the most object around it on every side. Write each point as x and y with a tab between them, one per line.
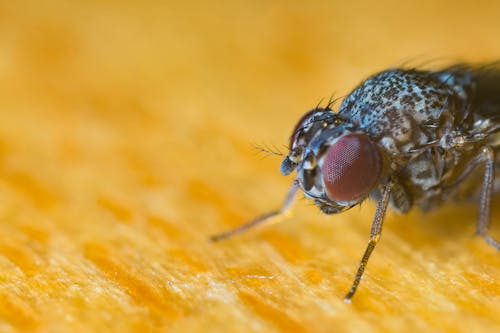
263	219
375	234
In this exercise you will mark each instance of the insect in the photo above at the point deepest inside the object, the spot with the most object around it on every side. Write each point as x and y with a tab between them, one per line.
404	137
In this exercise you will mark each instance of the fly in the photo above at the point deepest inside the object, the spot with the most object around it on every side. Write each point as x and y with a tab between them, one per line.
403	137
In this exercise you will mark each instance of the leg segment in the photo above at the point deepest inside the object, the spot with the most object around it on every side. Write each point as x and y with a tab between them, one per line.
376	231
484	219
261	220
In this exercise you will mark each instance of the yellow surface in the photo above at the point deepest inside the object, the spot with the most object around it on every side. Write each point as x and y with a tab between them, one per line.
126	136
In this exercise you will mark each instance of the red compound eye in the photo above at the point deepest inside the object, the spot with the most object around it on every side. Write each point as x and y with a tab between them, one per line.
351	167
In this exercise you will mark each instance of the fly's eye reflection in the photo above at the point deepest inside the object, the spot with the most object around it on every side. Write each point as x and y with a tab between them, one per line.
351	167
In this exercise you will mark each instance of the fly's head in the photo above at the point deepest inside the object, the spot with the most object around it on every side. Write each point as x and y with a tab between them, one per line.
337	165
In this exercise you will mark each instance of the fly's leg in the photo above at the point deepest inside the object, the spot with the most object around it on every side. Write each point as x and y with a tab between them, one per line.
375	234
261	220
484	219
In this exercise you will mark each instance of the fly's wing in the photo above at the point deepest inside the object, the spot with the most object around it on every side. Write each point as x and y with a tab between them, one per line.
486	98
484	105
482	84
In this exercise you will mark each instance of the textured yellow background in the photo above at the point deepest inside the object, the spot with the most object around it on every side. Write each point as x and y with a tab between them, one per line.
126	131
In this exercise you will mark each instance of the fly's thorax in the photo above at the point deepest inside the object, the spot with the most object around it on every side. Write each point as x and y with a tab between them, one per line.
407	109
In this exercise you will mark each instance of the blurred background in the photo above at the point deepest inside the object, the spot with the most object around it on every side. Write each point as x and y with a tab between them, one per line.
126	139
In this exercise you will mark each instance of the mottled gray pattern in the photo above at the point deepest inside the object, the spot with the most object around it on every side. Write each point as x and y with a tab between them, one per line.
428	125
403	109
